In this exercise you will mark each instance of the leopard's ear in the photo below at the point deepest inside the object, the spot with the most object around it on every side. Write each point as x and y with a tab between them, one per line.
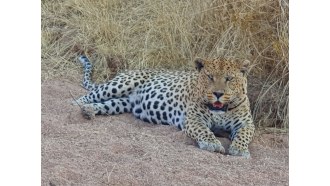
245	66
199	64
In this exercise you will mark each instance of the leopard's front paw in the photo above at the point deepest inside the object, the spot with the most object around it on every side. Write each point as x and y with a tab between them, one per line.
236	151
88	111
212	145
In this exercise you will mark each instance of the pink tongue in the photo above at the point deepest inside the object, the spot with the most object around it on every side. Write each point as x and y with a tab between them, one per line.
217	104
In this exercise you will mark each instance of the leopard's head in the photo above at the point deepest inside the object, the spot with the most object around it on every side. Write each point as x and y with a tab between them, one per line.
221	82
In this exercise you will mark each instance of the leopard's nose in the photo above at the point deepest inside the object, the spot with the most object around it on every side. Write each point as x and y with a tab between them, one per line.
217	94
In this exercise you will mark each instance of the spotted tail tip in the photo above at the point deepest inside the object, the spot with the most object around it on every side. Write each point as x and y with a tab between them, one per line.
83	59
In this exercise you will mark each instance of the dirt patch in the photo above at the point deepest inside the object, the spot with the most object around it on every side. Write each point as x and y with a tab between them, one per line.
121	150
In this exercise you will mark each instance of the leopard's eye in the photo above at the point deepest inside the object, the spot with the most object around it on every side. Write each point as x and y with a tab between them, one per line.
229	78
210	77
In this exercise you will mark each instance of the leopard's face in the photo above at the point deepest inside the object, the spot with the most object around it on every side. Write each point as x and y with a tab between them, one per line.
221	82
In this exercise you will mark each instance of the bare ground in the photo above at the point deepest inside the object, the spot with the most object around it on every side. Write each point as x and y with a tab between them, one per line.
121	150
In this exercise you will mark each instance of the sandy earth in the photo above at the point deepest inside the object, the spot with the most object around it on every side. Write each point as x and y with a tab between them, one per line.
121	150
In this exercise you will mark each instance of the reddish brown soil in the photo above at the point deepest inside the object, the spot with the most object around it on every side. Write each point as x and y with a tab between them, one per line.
121	150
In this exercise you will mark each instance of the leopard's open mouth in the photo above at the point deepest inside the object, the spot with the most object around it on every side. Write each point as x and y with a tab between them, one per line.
217	106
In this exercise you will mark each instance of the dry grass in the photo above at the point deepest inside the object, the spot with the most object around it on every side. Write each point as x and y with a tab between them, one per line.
170	34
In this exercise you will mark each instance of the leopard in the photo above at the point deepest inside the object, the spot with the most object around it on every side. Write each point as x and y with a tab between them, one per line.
210	98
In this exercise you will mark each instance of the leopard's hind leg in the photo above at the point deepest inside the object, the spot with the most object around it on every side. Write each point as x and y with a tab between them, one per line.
110	107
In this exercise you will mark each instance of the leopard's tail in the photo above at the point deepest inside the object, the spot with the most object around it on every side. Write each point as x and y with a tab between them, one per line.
87	81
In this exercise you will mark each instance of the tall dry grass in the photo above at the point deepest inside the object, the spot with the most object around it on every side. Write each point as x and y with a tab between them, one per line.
170	34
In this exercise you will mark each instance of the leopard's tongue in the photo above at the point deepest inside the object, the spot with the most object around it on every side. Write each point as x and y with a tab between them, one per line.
217	104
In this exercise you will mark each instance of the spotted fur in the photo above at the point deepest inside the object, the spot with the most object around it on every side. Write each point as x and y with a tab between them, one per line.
197	102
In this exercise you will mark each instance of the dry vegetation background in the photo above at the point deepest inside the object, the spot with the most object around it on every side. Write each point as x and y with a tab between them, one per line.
125	34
